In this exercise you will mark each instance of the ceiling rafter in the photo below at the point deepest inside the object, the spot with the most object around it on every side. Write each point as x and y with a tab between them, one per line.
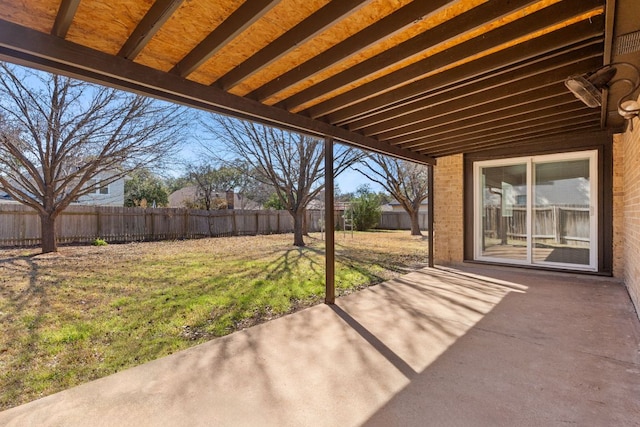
502	109
504	136
296	36
524	88
467	21
557	101
547	116
584	126
397	102
521	79
368	36
64	17
241	19
152	21
554	14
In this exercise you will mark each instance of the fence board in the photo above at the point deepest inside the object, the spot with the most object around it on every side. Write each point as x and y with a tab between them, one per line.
552	224
20	225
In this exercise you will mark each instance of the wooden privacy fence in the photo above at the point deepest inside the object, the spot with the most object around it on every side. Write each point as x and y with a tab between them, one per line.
20	225
552	224
388	220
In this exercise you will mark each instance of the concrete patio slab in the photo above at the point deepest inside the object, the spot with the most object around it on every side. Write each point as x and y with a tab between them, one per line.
468	346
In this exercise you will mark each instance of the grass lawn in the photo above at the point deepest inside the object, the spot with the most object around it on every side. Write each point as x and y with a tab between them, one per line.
87	312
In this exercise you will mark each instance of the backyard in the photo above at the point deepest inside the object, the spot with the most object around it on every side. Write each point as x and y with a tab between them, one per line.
90	311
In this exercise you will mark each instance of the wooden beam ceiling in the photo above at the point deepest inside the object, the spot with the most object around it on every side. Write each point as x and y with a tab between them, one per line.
148	27
413	79
241	19
377	31
66	12
302	32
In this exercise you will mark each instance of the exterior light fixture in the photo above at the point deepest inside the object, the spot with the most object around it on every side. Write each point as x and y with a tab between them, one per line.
588	88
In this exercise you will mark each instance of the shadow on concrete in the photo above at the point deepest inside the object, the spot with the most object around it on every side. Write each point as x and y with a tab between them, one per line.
477	346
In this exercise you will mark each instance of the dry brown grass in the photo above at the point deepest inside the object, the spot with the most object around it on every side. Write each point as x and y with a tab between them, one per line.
89	311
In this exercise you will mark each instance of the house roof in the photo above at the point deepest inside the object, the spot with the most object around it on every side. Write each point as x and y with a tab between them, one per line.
414	79
180	198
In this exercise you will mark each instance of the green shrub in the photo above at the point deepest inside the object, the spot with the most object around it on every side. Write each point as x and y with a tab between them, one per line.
365	209
99	242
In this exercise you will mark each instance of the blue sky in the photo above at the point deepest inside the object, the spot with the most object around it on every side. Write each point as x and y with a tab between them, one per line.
348	181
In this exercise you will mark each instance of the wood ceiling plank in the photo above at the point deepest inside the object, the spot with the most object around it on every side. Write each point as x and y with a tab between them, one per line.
64	17
105	25
153	20
554	14
508	109
299	34
561	133
548	82
490	108
398	102
487	139
39	15
508	112
242	18
379	30
520	81
465	22
527	120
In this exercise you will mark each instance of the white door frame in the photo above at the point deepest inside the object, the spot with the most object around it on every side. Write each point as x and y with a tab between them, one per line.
529	161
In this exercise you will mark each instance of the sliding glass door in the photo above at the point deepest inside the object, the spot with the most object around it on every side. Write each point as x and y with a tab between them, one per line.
537	210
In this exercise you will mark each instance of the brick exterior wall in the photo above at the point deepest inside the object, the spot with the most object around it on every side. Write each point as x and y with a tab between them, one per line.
627	210
448	213
618	207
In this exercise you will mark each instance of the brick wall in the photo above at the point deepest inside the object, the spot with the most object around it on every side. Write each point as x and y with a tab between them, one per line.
448	215
627	218
618	207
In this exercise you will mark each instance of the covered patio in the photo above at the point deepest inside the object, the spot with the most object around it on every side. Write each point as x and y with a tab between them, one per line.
446	83
442	346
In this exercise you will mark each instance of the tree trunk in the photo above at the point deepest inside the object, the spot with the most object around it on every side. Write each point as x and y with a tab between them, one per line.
298	224
415	223
305	226
48	233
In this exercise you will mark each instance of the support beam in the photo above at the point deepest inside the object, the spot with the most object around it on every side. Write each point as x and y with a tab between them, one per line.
329	224
155	18
430	210
315	24
241	19
358	42
66	12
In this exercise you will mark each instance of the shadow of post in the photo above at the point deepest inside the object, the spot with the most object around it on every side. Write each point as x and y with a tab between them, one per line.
383	349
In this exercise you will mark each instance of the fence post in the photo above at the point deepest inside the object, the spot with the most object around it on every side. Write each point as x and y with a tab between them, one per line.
98	223
234	223
557	226
153	228
186	224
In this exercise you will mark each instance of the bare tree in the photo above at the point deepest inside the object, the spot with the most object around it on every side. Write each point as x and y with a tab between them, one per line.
292	163
210	181
61	138
407	182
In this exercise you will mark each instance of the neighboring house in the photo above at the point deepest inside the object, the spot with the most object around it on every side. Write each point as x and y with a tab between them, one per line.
5	198
185	196
395	206
105	195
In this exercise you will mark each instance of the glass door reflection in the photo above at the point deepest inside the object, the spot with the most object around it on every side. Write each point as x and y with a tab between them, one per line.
561	212
504	212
